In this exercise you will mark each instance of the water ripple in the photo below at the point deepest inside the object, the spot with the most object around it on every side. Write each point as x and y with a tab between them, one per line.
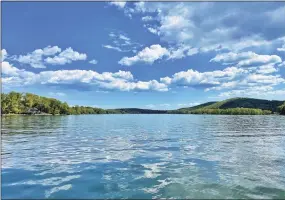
143	156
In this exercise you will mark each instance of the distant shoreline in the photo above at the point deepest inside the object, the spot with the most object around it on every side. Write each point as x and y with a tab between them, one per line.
46	114
31	104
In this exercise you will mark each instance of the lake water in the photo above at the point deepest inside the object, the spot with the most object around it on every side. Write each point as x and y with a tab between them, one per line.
143	156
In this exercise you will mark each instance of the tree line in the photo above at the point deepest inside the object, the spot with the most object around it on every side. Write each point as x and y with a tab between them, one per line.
228	111
281	109
27	103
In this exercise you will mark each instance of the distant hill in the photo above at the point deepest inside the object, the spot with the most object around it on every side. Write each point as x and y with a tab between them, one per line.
234	106
234	103
135	111
197	107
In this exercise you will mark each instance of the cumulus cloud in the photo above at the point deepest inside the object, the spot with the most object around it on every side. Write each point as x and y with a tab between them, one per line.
181	52
260	59
147	18
147	55
119	4
66	56
39	57
94	62
14	77
266	69
261	92
35	58
227	79
121	80
282	48
156	52
195	24
264	79
282	64
246	58
153	30
195	78
3	54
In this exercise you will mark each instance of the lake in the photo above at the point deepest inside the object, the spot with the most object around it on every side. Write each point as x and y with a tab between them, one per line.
143	156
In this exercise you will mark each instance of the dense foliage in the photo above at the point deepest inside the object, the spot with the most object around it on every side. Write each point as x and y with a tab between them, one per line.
235	103
281	109
228	111
27	103
136	111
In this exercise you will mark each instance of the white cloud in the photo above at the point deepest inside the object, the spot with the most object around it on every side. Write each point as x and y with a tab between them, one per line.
36	58
147	18
229	78
246	58
123	37
156	52
257	92
13	76
121	42
49	50
66	56
266	69
8	69
195	24
282	64
119	4
112	47
195	78
3	54
94	62
277	15
121	80
182	51
260	59
264	79
282	48
153	30
147	55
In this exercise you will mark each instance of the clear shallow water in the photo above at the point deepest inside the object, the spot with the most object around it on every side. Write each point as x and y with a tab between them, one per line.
143	156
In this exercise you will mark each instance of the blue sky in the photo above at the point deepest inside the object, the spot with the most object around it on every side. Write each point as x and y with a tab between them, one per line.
158	55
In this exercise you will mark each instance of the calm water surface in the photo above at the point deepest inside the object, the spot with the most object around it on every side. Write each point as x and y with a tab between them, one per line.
143	156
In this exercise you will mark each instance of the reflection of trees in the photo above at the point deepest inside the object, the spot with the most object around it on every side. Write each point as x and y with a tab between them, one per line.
32	124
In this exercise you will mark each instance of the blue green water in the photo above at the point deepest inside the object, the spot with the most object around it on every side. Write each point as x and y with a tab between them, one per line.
143	156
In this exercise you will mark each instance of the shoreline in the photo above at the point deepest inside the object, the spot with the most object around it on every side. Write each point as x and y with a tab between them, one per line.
12	114
46	114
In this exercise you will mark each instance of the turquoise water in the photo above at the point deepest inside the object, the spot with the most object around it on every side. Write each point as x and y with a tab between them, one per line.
143	156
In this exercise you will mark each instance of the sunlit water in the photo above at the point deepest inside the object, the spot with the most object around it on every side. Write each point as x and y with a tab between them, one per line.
143	156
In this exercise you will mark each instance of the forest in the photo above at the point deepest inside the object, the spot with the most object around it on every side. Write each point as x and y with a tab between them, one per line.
27	103
228	111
